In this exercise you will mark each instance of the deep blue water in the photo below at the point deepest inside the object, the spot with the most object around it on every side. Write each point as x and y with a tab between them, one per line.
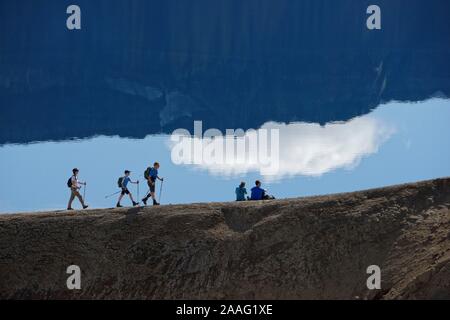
354	108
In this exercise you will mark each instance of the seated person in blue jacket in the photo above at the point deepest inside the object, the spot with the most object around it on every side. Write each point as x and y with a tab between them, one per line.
241	191
259	193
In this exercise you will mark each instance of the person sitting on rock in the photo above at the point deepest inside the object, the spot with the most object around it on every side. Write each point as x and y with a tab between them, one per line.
241	191
259	193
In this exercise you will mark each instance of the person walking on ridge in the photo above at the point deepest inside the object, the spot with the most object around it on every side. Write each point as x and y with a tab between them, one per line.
151	175
74	186
123	183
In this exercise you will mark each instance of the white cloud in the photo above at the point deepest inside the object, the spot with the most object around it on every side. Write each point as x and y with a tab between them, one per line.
309	149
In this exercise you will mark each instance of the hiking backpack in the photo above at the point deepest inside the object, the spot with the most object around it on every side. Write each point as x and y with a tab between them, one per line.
69	182
120	182
147	173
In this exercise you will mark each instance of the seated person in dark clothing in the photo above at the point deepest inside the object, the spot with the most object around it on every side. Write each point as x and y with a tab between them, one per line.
258	193
241	192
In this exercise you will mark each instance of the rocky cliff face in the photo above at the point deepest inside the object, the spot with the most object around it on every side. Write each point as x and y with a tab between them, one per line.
317	247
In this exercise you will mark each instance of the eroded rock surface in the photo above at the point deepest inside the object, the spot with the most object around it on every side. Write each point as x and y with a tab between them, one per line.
304	248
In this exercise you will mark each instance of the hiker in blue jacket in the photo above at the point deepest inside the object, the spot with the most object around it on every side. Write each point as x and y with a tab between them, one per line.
258	193
123	183
151	175
241	191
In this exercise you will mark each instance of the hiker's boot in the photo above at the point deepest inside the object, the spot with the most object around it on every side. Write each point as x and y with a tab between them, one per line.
135	203
85	206
144	201
118	205
155	203
69	209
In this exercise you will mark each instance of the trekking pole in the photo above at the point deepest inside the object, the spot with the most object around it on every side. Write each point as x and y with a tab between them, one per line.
139	199
160	191
113	194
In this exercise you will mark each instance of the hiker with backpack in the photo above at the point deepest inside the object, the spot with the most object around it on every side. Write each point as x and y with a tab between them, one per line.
151	175
241	191
74	186
123	183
